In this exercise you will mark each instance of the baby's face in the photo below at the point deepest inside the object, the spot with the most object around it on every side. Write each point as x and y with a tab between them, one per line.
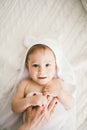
42	66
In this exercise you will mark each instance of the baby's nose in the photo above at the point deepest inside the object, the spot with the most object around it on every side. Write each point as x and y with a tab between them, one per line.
42	70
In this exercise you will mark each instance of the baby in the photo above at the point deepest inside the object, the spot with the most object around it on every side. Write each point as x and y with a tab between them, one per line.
42	82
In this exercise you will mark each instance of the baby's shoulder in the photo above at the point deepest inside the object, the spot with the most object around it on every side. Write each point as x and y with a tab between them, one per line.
23	83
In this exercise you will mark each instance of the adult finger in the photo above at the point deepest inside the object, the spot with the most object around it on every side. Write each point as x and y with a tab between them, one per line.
52	105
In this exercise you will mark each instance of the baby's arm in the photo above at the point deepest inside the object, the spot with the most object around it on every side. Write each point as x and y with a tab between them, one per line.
19	102
57	88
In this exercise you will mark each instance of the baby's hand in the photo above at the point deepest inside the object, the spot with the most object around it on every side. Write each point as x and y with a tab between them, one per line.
38	100
52	88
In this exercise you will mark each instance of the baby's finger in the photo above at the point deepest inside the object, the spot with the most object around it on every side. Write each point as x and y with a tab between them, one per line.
45	93
45	90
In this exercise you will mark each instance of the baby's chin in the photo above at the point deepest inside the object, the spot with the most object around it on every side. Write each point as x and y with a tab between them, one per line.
43	83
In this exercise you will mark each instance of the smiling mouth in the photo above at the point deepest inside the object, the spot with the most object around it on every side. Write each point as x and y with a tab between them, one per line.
42	77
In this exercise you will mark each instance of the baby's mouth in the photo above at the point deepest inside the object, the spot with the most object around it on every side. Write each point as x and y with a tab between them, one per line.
42	77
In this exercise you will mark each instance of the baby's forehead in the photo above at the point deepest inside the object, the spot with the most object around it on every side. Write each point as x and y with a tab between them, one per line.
44	49
42	56
44	52
39	47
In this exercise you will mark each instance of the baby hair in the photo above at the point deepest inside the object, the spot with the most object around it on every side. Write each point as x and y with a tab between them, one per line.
38	47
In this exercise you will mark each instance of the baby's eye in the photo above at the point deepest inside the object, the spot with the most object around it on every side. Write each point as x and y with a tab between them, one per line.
35	65
47	65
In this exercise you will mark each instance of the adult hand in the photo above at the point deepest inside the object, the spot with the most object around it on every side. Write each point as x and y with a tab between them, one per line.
37	118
